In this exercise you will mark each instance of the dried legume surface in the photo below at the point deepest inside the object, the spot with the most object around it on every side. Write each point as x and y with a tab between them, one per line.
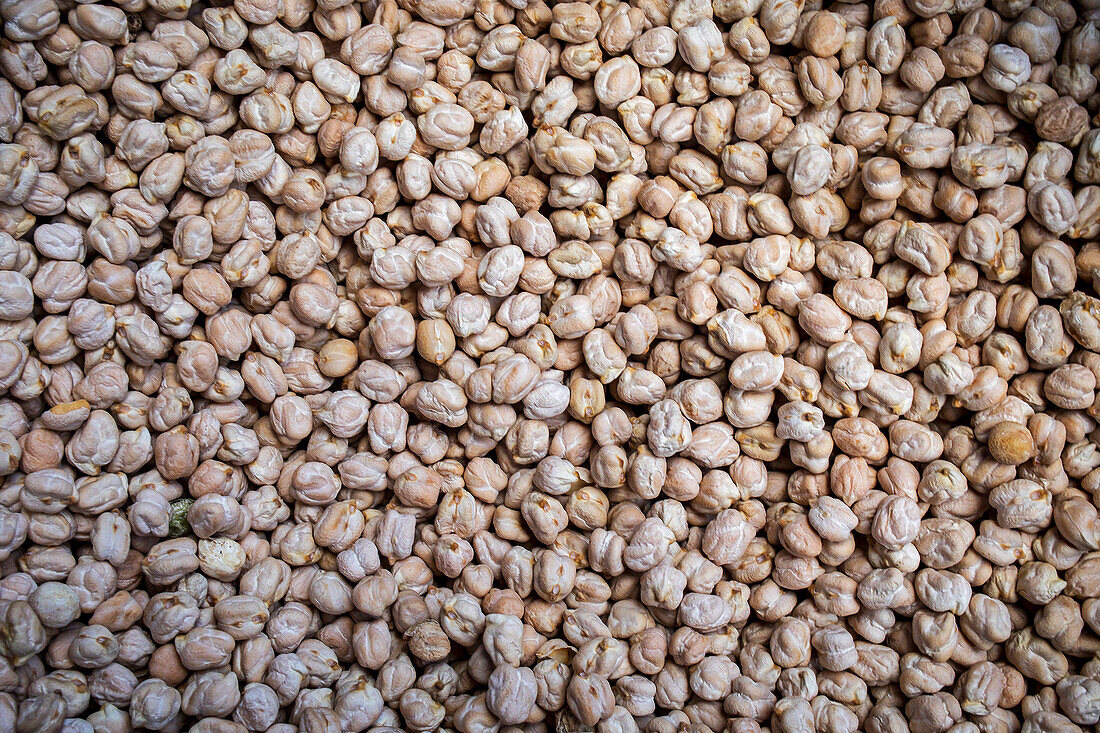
512	366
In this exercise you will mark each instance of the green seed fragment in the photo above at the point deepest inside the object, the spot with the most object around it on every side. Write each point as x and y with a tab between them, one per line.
178	525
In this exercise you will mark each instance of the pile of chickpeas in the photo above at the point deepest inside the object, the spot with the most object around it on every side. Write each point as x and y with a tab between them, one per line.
521	366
